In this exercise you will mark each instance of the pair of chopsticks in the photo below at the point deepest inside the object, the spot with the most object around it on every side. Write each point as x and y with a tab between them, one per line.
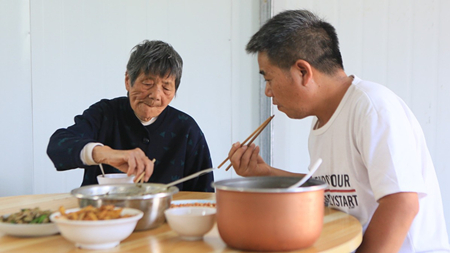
252	137
140	179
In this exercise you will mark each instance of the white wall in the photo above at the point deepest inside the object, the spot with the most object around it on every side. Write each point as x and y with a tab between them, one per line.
404	45
59	57
16	124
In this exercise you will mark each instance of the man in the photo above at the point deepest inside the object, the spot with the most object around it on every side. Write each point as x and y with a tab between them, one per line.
126	133
375	158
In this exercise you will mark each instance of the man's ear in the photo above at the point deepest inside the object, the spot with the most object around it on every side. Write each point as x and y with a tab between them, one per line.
304	69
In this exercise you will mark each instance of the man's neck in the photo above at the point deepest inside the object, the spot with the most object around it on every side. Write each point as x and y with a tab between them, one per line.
333	89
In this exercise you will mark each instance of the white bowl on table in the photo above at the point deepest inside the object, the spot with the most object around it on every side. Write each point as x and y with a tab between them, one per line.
115	178
191	223
99	234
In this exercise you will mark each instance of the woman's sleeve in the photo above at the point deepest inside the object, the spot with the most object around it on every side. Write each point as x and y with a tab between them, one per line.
65	144
199	158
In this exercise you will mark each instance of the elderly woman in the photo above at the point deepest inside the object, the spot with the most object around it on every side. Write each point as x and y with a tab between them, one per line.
127	133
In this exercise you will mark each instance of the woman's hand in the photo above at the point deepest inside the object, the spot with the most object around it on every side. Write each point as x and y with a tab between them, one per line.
132	162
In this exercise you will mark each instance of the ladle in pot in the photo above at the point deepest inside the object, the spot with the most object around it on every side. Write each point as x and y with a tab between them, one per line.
307	176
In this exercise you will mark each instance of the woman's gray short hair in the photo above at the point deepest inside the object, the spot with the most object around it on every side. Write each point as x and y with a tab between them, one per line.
157	58
298	34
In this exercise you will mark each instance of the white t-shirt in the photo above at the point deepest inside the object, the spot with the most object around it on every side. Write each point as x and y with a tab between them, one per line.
371	147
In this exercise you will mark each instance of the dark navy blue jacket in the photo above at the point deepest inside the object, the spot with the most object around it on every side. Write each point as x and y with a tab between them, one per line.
174	140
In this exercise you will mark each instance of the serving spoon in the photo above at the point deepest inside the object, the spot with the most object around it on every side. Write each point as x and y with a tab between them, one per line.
101	168
307	176
197	174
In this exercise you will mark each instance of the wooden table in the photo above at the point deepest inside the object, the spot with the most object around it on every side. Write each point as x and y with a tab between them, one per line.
341	232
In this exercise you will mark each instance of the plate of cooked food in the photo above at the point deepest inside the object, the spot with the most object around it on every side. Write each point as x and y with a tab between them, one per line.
28	222
193	202
96	228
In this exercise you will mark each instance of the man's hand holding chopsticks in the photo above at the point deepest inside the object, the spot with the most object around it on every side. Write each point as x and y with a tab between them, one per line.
246	160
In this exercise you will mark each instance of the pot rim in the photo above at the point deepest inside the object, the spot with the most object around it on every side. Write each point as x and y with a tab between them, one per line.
84	192
230	185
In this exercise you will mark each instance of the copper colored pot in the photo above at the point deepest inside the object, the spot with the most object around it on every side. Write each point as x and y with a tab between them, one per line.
261	214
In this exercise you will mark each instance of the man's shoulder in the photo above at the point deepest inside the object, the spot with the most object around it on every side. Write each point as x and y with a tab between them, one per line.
374	95
373	89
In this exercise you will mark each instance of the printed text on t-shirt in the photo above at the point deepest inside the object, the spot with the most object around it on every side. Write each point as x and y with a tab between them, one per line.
339	193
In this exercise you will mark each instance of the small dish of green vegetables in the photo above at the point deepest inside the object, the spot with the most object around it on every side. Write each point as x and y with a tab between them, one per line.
27	223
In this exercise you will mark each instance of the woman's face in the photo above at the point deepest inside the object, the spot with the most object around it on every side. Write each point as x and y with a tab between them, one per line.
150	94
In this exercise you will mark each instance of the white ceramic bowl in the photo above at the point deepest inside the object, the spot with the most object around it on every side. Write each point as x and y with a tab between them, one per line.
102	234
115	178
191	223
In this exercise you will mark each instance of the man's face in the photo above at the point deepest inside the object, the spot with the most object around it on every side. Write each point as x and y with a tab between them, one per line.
150	94
284	87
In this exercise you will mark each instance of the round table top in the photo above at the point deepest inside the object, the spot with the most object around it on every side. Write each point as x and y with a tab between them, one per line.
341	232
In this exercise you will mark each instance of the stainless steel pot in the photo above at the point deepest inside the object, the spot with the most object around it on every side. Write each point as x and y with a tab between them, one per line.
261	214
129	195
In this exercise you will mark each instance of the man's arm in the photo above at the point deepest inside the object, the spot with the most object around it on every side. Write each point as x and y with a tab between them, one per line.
390	223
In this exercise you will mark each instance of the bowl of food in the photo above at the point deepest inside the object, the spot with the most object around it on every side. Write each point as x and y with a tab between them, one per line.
193	202
28	222
191	222
96	228
151	198
263	214
115	178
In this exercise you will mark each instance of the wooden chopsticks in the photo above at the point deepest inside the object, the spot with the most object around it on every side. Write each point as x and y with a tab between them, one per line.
252	137
140	179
